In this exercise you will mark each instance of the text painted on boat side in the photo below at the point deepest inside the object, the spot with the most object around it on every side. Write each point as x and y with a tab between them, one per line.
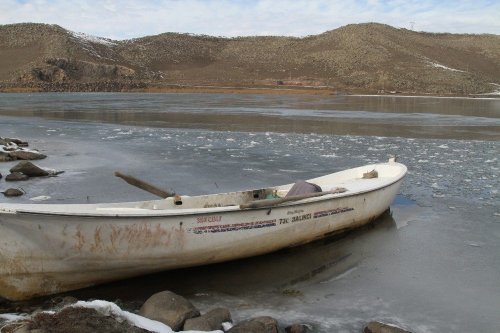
211	227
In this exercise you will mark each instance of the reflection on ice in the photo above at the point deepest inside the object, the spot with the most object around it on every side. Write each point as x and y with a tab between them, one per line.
340	115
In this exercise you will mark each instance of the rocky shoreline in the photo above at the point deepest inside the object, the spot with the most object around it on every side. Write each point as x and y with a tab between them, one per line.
163	312
13	149
144	87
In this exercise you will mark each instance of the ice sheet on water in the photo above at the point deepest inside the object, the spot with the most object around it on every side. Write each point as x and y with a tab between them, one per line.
341	275
452	168
465	170
40	198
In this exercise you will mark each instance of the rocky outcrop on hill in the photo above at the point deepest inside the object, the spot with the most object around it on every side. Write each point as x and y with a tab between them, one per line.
64	70
361	57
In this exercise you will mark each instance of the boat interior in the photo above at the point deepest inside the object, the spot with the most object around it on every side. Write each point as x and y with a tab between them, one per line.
356	180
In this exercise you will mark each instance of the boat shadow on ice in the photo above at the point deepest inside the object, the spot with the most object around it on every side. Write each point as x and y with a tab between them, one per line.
282	270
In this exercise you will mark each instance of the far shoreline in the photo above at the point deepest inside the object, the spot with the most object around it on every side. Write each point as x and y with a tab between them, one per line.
284	90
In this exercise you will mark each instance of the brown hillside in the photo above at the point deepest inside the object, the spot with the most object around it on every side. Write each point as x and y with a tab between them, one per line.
363	57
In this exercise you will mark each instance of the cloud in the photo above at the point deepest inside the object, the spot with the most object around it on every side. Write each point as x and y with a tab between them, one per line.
129	19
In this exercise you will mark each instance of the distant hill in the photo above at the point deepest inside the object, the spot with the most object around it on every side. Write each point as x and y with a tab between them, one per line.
355	58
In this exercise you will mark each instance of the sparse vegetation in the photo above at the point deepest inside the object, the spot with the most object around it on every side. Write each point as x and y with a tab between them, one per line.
359	58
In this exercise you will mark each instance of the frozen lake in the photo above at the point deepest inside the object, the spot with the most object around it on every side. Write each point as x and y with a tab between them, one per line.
430	266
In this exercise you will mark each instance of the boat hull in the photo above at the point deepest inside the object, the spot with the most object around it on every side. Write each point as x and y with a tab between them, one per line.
43	253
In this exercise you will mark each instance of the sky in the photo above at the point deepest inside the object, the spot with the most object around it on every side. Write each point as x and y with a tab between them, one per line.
126	19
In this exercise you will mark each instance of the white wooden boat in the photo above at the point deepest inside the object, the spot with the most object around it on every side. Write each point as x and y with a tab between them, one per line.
51	248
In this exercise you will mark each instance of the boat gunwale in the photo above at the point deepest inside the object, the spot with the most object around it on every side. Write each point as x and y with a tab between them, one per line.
137	212
227	209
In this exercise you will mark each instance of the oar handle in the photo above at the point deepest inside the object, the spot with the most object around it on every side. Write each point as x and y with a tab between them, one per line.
144	186
279	201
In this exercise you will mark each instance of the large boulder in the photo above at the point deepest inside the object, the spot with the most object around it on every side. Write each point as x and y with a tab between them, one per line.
169	308
262	324
210	321
29	169
378	327
27	155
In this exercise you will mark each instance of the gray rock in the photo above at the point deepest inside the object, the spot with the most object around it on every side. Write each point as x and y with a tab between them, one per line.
27	155
16	176
62	302
297	328
29	169
378	327
263	324
13	192
18	142
248	326
5	157
210	321
270	323
169	308
13	141
10	147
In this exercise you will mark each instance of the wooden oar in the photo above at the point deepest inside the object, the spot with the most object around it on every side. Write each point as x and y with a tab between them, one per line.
274	202
144	186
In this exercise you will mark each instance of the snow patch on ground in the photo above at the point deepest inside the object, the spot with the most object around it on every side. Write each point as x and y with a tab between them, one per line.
436	65
93	39
493	93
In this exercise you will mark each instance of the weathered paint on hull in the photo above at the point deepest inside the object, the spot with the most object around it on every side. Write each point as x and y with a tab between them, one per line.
42	254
